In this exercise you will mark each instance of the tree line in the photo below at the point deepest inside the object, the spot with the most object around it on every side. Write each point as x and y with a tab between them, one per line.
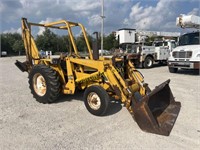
49	41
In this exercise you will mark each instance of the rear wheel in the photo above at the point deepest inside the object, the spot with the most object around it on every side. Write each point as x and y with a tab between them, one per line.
44	84
96	100
173	70
148	62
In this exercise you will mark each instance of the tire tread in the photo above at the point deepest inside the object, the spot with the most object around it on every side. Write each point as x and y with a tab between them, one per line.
52	80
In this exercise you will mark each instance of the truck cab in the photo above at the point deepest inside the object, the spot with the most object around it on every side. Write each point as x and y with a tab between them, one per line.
167	44
170	44
187	54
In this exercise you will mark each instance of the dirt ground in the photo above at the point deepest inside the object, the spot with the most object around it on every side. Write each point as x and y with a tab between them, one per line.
66	124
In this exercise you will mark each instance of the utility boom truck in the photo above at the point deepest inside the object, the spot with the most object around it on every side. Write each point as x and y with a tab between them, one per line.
142	55
187	54
154	111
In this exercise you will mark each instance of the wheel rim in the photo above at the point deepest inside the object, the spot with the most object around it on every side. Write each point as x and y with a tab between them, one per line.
94	101
39	84
149	62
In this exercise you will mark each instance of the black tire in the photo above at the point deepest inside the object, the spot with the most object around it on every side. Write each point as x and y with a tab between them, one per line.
173	70
49	89
148	62
93	107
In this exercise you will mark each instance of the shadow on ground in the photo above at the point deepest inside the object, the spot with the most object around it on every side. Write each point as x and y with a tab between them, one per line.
115	105
78	95
155	65
189	72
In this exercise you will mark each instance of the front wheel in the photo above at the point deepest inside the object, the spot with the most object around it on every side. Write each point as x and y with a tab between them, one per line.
96	100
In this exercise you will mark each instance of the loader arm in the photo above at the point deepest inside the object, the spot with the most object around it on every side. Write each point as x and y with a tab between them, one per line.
125	88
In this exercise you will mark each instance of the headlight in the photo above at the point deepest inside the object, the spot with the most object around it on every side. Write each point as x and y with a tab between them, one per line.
174	54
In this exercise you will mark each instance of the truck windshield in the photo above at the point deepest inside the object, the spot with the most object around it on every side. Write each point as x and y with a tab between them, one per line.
189	39
158	44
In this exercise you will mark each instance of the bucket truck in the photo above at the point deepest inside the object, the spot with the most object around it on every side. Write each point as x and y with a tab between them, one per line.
132	41
187	54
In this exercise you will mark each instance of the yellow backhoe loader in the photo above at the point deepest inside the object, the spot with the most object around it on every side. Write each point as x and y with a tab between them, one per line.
101	78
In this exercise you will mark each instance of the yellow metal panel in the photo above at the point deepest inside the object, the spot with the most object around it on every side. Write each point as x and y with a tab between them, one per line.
70	86
89	77
136	76
95	64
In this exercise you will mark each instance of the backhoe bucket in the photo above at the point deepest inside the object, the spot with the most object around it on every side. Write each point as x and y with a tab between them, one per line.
21	66
157	111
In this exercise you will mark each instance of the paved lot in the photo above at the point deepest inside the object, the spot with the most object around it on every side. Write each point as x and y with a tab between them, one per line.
27	124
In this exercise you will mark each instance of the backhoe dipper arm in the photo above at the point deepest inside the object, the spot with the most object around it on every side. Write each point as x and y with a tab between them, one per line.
29	43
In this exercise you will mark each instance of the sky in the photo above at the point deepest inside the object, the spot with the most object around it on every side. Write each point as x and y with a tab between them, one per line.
150	15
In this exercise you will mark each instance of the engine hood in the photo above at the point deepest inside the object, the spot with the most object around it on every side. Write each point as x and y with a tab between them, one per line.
187	48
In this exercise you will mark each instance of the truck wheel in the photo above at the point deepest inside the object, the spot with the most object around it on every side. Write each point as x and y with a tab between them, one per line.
173	70
148	62
96	100
44	84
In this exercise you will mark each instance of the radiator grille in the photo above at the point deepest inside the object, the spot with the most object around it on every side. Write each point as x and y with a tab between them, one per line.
185	54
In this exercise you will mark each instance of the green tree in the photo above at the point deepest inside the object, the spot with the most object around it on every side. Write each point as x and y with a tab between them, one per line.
63	43
18	46
47	41
5	46
110	42
12	43
81	44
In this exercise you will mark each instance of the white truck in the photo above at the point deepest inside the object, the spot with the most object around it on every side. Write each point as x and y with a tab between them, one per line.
187	54
151	54
3	53
141	54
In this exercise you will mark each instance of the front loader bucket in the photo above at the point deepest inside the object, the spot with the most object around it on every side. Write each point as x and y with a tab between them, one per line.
157	111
